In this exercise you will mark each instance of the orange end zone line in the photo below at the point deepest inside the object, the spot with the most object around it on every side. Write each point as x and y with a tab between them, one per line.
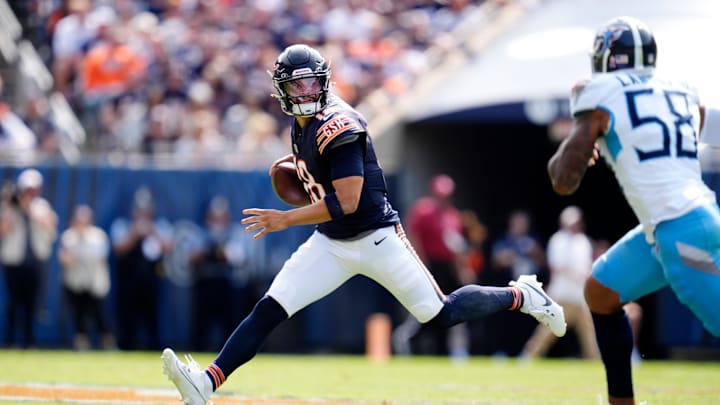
65	393
110	395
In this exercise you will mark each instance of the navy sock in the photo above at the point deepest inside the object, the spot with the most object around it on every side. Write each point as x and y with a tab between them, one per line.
615	341
473	302
246	340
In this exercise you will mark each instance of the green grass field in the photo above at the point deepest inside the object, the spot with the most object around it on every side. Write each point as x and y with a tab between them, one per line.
347	379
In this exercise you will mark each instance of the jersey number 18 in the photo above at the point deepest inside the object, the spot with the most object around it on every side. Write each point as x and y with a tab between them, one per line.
314	189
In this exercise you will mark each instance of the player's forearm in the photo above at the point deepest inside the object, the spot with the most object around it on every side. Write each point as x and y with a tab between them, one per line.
566	172
568	165
312	214
320	211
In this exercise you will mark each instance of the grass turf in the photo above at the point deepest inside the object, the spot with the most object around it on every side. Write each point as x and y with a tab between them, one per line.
426	380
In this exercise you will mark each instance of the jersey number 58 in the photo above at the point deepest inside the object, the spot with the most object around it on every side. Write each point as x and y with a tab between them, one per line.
678	105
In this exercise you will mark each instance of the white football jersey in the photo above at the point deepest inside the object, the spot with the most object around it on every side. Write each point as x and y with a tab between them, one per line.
651	143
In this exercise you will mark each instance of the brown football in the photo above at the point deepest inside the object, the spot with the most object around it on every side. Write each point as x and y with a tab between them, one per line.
288	186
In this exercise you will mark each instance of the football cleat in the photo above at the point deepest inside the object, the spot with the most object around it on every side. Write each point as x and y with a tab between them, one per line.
192	383
539	305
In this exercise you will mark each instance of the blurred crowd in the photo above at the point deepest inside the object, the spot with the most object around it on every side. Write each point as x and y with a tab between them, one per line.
188	78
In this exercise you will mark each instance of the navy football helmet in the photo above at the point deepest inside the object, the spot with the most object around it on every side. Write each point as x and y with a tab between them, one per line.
298	62
623	43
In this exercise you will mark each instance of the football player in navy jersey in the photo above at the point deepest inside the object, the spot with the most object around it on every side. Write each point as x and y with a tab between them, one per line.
358	232
646	127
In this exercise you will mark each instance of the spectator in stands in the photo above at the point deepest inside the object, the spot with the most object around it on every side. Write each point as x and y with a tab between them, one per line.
17	141
109	70
84	251
37	118
570	255
260	142
201	141
28	229
139	243
72	36
435	229
167	113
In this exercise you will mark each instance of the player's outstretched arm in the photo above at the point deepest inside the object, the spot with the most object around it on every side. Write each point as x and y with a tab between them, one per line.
347	193
263	221
577	152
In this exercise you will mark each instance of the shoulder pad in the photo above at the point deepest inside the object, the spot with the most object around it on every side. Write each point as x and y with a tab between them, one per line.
579	87
590	93
335	128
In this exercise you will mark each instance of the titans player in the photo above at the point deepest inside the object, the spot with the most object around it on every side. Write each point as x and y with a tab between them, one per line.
646	128
358	232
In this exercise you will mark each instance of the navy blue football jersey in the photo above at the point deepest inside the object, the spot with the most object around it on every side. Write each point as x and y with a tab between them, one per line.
337	125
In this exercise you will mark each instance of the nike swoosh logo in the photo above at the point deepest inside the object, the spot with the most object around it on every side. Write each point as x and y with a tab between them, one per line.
189	380
377	242
547	301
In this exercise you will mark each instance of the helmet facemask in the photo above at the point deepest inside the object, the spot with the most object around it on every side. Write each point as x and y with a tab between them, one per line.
303	95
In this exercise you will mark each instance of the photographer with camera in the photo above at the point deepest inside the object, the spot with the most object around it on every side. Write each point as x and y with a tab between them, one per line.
28	229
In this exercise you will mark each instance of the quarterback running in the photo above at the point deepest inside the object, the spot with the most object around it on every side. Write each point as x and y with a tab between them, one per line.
357	232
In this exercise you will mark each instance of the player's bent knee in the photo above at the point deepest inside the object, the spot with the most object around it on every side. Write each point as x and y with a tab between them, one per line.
441	320
424	313
601	299
269	310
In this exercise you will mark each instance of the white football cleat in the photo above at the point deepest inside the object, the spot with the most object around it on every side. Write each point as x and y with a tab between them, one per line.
192	383
539	305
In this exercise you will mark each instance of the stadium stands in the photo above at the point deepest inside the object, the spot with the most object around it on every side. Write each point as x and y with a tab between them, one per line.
188	75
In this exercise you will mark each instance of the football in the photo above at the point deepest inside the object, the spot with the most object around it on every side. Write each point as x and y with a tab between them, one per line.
288	186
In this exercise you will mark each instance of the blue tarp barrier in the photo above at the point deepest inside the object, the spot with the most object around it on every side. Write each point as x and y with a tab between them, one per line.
180	196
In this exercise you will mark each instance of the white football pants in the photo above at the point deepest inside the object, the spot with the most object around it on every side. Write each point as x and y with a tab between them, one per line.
321	265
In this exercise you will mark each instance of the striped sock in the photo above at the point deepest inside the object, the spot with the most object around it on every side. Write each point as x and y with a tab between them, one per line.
517	299
217	377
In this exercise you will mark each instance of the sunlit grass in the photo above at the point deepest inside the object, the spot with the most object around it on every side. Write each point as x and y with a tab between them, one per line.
431	380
